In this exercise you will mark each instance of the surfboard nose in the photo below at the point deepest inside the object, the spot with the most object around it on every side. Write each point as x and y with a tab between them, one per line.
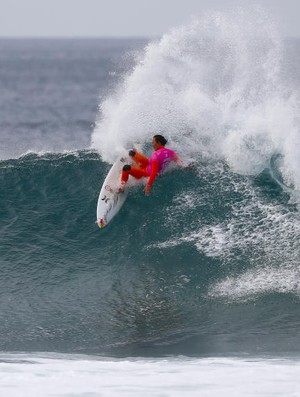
101	223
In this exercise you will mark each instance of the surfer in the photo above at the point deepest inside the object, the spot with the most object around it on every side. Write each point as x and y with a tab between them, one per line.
151	167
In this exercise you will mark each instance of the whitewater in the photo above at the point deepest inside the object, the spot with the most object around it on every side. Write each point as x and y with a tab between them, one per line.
191	291
216	89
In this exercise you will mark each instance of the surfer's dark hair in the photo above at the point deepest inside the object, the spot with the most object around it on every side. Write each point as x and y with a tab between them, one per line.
161	139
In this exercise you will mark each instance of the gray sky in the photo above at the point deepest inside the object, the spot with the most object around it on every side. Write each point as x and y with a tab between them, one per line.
85	18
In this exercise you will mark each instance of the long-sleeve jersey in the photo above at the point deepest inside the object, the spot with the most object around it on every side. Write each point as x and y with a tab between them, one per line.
158	162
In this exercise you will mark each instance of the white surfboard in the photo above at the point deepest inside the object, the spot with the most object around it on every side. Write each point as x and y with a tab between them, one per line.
110	201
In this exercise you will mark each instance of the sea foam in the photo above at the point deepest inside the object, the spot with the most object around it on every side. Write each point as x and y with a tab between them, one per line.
216	89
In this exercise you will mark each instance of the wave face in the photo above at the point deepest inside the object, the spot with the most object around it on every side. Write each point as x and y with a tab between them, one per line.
209	263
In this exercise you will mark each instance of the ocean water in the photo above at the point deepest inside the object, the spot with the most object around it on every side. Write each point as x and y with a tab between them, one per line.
191	291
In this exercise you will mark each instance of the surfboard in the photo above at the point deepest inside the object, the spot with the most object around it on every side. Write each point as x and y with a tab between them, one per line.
110	200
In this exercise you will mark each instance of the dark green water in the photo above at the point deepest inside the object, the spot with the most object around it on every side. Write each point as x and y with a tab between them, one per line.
208	264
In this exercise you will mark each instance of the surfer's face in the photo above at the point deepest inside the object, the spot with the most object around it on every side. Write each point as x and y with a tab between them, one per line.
155	144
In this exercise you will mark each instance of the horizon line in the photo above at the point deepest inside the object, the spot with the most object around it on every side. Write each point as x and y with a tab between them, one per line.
148	37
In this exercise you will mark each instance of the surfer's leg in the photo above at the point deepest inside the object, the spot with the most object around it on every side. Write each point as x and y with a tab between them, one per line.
141	160
136	172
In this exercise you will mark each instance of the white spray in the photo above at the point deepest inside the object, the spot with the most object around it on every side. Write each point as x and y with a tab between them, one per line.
214	89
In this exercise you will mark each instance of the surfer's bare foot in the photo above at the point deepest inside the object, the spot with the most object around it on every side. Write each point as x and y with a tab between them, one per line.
121	187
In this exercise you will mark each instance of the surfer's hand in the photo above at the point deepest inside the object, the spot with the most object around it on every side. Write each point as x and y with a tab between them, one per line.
148	190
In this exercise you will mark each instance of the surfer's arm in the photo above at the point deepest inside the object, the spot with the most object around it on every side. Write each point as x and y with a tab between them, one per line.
152	177
177	159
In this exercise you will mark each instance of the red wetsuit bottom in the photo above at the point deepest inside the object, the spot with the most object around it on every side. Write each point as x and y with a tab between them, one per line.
137	172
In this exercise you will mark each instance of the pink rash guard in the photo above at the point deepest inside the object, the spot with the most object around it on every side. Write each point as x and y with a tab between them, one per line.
161	157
